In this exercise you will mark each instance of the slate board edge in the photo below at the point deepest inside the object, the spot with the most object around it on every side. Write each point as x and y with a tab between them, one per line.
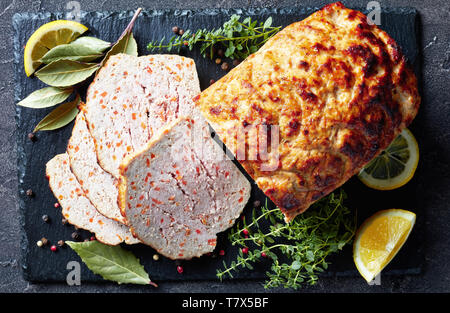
22	161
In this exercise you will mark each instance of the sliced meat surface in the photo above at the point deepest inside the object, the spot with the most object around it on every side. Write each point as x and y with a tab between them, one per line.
78	210
99	186
132	98
181	190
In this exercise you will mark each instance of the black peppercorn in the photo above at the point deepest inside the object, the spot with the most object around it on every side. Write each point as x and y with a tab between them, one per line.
236	62
30	193
220	53
44	241
75	235
257	203
64	221
45	218
181	32
60	243
175	29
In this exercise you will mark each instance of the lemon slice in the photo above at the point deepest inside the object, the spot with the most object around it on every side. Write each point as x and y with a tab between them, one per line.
49	36
395	166
379	239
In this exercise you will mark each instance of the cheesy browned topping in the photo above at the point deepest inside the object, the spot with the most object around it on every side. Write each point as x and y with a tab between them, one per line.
332	90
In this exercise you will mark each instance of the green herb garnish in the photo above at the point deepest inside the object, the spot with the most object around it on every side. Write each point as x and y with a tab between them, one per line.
111	262
240	39
298	250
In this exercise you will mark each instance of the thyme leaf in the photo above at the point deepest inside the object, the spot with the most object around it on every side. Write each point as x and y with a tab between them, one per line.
238	38
299	250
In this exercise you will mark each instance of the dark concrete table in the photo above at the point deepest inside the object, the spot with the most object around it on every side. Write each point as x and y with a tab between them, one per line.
435	48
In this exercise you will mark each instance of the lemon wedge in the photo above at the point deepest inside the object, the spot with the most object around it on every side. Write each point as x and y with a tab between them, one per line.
379	239
395	166
47	37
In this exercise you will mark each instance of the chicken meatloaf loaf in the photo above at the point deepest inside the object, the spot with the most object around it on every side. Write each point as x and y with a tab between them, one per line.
78	210
179	192
313	106
131	98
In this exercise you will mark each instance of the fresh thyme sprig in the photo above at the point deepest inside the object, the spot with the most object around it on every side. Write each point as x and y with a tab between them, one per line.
298	250
240	39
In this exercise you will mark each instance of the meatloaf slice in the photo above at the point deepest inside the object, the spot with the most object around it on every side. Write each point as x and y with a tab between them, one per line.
133	97
176	198
325	96
77	209
99	186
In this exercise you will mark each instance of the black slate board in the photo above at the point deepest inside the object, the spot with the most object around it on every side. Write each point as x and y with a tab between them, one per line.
42	265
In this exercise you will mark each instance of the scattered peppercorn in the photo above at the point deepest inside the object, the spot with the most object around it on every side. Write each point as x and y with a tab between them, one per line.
86	240
44	241
60	243
45	218
75	235
263	254
56	205
32	137
92	238
245	231
236	62
155	257
64	221
222	252
180	269
218	60
186	43
39	243
245	250
53	248
30	193
256	203
180	32
175	29
220	53
211	81
225	66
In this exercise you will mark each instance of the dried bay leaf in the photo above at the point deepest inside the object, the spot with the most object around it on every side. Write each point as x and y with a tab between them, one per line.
74	52
59	117
111	262
46	97
65	73
126	43
93	43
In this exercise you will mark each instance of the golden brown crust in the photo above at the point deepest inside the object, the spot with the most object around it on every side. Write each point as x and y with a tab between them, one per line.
339	90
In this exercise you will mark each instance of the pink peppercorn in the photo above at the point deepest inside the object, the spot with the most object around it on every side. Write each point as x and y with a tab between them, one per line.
53	248
245	250
56	205
245	232
92	238
221	252
263	254
180	269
